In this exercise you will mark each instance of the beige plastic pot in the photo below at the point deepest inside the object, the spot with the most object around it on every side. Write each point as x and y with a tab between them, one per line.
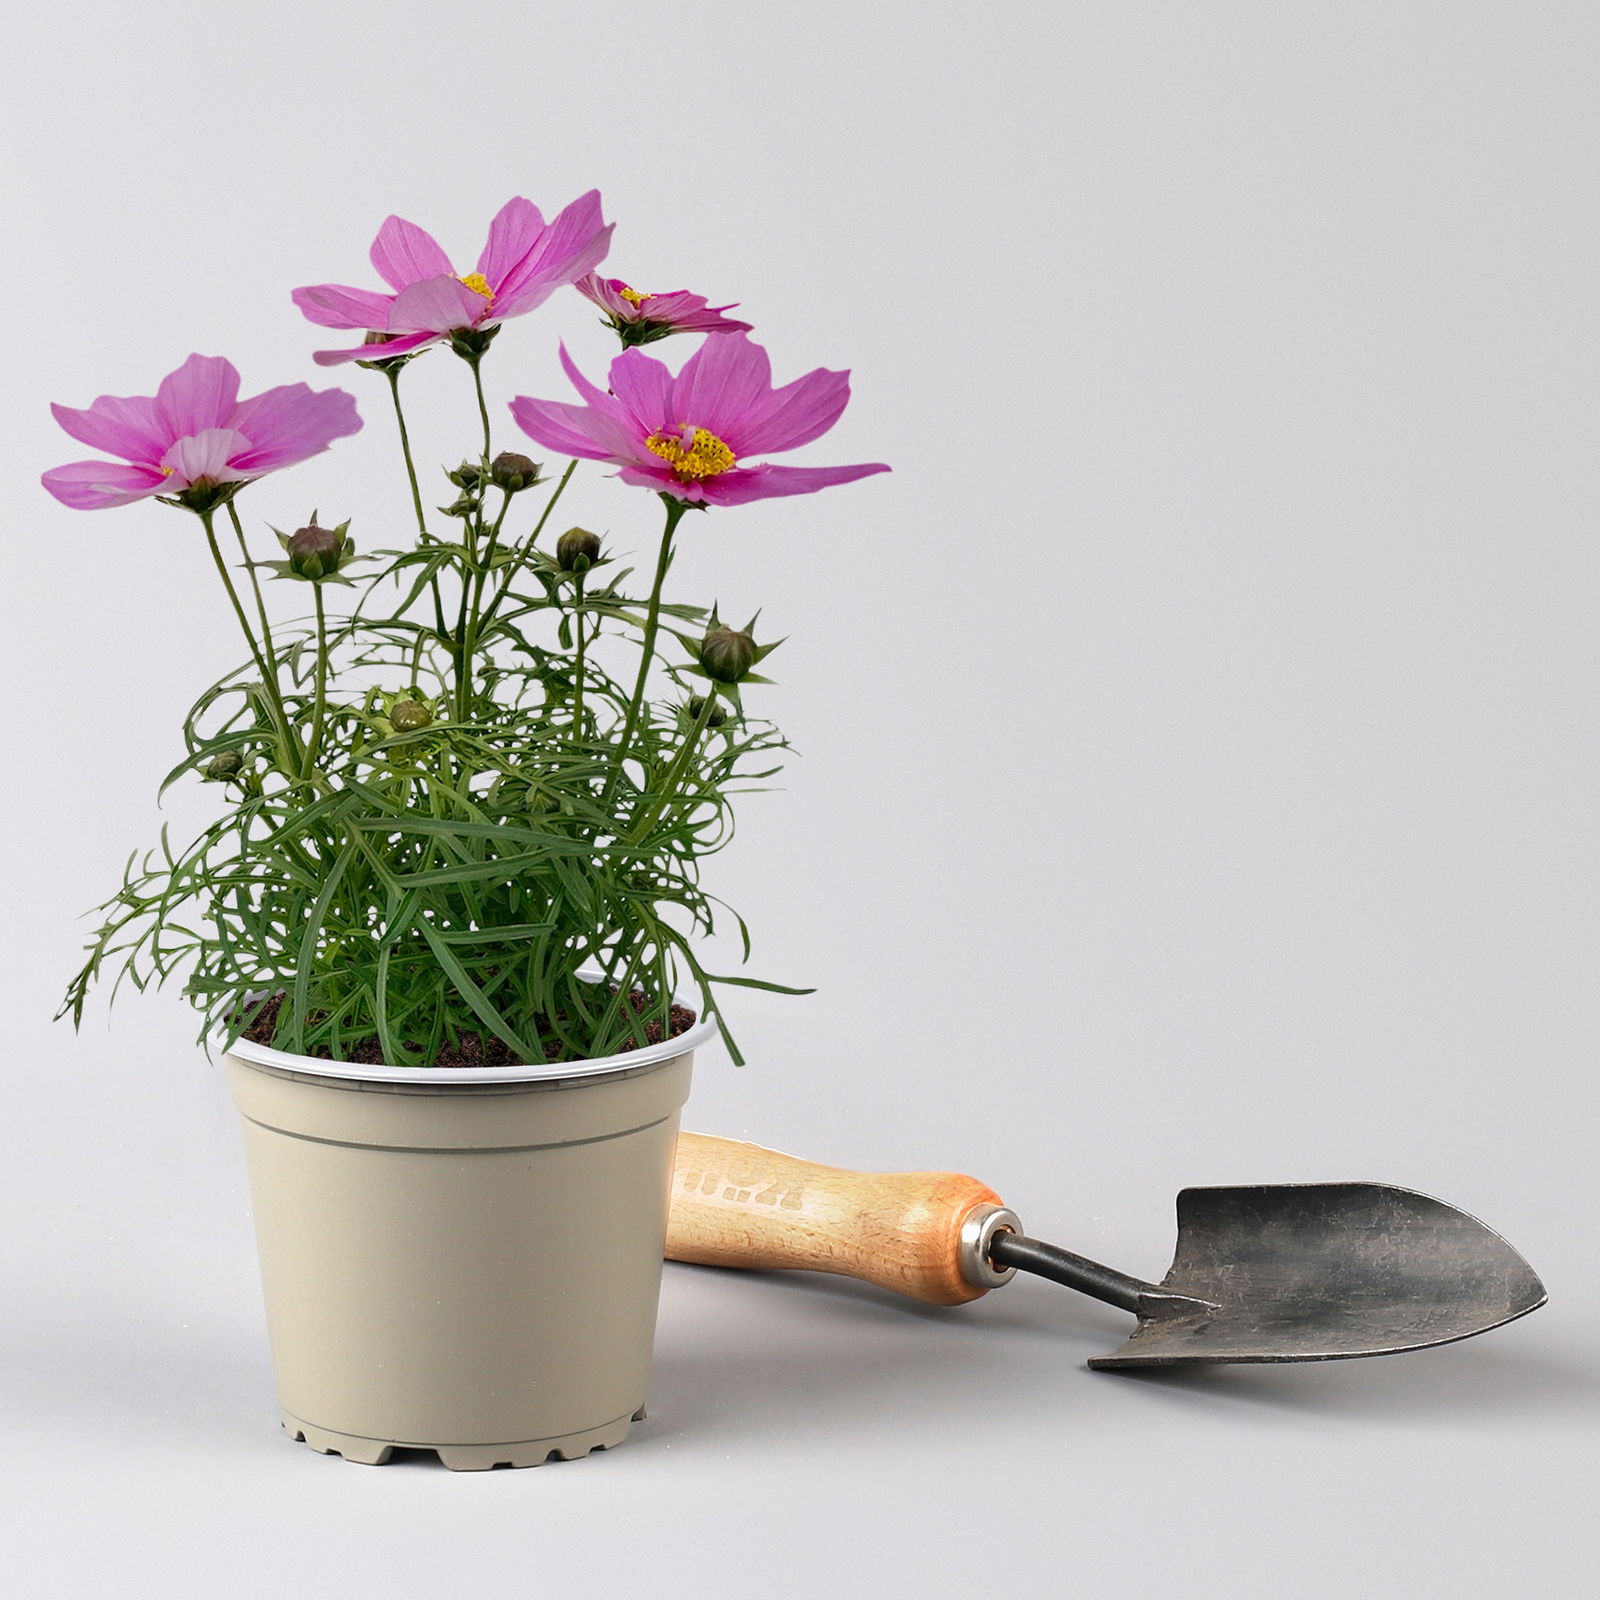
466	1261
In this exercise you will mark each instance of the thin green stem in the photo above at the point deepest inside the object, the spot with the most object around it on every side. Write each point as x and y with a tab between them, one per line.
261	605
393	375
647	647
268	677
581	644
314	744
514	566
483	410
668	789
471	626
462	651
487	562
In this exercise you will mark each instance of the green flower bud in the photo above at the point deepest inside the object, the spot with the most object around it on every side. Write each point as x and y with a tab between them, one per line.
727	654
513	472
223	767
465	504
409	716
316	552
696	707
467	476
577	550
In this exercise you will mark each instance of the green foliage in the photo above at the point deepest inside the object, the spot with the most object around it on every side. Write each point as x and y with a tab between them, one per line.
442	816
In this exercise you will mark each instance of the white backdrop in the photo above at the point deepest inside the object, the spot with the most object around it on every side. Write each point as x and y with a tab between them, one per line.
1197	731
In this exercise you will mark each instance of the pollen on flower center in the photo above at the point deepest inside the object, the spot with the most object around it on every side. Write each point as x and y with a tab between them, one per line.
166	472
706	457
478	284
634	297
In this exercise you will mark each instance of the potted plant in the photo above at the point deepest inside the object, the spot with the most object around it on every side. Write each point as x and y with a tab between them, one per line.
443	923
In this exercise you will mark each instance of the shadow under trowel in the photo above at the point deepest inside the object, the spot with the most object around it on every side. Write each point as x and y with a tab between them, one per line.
749	1348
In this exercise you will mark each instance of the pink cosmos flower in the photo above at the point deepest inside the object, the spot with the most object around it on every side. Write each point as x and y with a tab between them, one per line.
642	318
195	432
691	436
523	263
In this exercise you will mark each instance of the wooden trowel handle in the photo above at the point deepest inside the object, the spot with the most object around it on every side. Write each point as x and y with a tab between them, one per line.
917	1233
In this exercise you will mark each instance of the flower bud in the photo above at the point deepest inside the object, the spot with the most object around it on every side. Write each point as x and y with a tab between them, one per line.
464	505
467	476
316	552
727	654
697	707
577	550
512	472
223	767
409	716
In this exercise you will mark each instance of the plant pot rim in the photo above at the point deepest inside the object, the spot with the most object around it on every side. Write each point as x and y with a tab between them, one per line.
262	1055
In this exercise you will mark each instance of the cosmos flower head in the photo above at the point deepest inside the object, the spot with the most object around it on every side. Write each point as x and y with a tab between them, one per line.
194	435
692	437
638	318
523	262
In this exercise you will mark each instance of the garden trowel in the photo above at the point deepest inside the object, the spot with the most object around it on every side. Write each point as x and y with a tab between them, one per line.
1262	1272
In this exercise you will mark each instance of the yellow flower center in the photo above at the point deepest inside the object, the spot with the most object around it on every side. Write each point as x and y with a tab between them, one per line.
706	457
166	472
478	284
634	297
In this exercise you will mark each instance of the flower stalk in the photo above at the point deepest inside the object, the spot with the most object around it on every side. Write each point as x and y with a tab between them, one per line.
647	645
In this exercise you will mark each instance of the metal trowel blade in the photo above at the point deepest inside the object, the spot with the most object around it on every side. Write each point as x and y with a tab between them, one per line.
1325	1271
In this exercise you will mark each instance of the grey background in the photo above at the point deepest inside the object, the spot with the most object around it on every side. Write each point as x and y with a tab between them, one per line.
1198	765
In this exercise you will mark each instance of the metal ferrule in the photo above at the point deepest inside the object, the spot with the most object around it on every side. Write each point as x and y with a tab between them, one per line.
977	1231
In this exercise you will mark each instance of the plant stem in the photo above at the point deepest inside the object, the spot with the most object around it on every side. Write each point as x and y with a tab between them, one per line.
261	605
314	744
515	564
577	628
483	410
393	375
470	629
652	622
462	648
269	676
674	774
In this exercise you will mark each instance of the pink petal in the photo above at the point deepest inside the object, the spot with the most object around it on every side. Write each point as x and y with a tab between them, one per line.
512	234
573	430
689	313
764	482
573	244
725	379
598	398
643	388
793	415
376	352
436	305
332	305
403	254
290	424
199	395
661	479
606	293
124	427
98	485
207	454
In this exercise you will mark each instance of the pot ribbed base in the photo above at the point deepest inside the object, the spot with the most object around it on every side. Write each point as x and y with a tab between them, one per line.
464	1457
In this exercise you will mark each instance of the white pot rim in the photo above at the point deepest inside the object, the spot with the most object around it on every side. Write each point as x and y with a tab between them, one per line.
651	1055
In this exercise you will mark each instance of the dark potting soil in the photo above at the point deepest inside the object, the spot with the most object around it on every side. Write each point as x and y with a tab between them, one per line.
472	1049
